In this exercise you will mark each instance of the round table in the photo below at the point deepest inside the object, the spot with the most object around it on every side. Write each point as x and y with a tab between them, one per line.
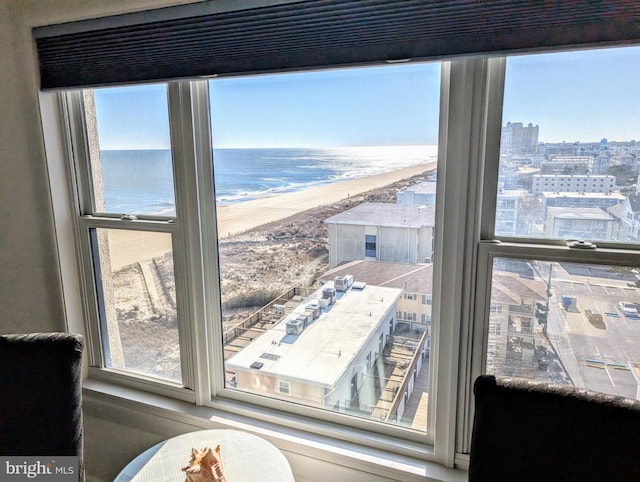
246	458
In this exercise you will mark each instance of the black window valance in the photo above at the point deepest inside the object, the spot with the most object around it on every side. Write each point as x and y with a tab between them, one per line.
203	39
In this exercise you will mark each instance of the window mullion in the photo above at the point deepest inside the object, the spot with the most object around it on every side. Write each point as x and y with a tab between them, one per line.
189	139
211	381
463	143
487	129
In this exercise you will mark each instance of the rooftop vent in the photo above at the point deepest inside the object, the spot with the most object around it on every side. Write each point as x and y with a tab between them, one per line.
269	356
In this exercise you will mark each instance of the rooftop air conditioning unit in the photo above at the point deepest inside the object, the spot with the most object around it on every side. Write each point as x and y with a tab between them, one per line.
343	283
314	309
296	325
329	293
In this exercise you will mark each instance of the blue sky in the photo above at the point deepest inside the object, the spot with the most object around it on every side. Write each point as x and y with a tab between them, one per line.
573	96
576	96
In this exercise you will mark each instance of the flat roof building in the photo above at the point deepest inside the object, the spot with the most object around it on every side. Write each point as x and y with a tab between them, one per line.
579	223
324	364
401	233
580	199
422	193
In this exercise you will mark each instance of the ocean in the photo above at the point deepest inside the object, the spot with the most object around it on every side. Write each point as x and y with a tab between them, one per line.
141	181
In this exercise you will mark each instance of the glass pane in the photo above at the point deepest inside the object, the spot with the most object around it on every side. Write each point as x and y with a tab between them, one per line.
137	301
325	190
573	324
129	146
569	156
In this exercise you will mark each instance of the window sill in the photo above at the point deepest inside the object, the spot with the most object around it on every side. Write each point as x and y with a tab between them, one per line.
294	443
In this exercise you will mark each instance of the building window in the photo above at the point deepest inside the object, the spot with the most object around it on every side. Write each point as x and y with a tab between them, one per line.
284	387
370	246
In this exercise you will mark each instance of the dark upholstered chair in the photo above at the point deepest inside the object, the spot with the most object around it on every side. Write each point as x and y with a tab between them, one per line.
40	395
531	431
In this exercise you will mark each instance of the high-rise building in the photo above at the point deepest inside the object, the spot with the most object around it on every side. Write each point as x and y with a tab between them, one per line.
517	138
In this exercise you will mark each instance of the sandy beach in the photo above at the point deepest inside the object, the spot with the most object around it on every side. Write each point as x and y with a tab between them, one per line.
128	247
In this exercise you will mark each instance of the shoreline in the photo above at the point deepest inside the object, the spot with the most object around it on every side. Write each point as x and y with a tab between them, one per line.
127	247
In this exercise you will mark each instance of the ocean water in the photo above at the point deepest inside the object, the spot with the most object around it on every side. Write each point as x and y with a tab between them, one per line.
141	181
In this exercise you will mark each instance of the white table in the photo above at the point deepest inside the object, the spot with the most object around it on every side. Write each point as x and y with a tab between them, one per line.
246	458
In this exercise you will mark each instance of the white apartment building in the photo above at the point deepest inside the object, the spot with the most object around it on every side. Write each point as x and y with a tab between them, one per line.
415	280
579	223
561	183
630	216
331	361
507	205
422	193
581	199
567	165
399	233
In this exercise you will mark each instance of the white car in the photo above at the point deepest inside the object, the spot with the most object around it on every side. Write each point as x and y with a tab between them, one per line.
628	309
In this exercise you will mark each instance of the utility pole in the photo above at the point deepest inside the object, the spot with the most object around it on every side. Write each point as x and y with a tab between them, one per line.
542	311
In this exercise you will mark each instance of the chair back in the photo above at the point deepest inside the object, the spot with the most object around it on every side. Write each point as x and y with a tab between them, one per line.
40	395
532	431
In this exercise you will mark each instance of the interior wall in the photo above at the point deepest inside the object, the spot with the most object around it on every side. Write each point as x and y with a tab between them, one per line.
29	287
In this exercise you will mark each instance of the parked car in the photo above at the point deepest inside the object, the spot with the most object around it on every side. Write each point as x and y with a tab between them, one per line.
628	308
594	316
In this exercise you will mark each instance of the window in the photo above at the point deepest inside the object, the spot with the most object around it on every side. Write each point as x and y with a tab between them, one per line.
561	282
132	261
196	239
280	205
284	387
276	241
370	246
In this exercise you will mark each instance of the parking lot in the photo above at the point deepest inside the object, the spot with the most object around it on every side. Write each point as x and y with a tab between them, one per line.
595	355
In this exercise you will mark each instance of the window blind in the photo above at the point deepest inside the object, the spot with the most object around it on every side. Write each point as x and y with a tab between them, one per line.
182	41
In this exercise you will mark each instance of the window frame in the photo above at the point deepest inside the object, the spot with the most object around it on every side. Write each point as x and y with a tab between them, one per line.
470	123
194	234
491	245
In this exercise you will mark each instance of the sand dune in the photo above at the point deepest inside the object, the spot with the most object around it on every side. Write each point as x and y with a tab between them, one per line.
127	247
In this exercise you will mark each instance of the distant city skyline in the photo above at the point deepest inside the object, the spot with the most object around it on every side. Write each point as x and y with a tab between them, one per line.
572	96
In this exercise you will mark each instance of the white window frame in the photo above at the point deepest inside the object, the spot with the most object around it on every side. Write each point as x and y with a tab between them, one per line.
196	270
491	246
470	127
